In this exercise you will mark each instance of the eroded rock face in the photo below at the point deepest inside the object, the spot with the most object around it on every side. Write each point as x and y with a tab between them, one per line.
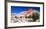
31	17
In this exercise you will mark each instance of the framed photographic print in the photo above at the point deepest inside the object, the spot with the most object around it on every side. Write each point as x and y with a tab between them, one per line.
24	14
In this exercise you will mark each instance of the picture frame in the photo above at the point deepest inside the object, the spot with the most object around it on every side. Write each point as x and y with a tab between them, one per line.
19	3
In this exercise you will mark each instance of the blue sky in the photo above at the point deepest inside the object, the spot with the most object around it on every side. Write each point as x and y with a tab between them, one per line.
18	9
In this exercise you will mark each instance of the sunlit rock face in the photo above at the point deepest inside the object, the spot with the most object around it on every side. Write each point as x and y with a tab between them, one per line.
24	13
26	16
